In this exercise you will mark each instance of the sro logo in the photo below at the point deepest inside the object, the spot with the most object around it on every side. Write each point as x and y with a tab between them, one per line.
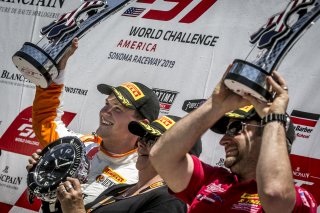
26	131
190	17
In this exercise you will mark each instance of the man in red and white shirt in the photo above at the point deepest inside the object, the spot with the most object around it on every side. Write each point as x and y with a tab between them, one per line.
259	178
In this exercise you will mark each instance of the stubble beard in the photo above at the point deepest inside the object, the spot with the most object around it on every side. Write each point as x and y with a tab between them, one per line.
230	161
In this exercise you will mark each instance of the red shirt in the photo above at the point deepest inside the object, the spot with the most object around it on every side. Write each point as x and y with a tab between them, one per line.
215	189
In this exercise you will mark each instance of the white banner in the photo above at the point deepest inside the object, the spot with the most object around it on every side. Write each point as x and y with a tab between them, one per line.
180	49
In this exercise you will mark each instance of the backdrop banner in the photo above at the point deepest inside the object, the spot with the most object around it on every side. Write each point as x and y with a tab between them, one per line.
178	48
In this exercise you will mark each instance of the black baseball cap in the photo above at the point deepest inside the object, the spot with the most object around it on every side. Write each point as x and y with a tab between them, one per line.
135	95
247	113
158	127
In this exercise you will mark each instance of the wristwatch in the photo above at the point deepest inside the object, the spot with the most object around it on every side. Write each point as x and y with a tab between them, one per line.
62	158
283	118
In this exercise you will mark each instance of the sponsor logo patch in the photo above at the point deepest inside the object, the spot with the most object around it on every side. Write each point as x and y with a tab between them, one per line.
134	90
248	202
166	122
211	193
114	175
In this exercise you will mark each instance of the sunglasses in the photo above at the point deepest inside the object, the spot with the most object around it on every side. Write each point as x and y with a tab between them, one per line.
236	127
149	139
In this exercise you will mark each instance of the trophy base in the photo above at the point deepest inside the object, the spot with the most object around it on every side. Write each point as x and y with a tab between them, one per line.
35	65
246	78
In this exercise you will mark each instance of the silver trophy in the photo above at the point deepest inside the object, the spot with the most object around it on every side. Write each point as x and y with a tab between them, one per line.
273	41
38	62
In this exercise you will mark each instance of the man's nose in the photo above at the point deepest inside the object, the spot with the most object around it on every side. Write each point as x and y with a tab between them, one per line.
225	140
106	109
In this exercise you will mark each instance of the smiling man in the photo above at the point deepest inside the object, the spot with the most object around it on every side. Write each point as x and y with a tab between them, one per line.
256	141
113	148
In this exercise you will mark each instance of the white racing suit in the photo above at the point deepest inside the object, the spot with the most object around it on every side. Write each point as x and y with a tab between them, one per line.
106	169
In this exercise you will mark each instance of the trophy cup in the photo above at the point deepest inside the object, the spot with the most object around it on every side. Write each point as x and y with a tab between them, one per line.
274	40
38	62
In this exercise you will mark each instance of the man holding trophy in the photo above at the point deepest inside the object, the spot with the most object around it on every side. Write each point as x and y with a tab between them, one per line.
113	146
112	150
257	137
256	143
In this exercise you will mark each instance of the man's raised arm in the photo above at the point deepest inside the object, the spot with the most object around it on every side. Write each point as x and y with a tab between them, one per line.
169	155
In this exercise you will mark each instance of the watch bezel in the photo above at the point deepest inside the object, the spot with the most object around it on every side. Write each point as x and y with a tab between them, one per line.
80	164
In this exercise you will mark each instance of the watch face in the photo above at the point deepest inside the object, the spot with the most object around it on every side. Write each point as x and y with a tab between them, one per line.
53	166
60	159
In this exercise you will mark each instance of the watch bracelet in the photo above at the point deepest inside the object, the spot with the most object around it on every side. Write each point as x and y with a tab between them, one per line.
274	117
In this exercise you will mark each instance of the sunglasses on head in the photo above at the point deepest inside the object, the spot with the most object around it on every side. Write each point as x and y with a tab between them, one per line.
236	127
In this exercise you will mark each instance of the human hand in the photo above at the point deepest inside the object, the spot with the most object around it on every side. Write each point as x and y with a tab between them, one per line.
69	194
33	160
280	102
225	98
69	52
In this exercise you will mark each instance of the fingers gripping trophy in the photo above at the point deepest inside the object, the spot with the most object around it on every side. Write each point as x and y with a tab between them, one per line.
273	41
38	62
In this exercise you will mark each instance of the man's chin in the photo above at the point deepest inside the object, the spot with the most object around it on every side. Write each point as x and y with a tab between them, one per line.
101	133
229	162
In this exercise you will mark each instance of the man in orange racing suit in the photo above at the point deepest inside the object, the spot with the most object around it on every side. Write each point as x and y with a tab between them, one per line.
113	145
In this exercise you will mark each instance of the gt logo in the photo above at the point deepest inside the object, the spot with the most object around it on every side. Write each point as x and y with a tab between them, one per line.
190	17
26	131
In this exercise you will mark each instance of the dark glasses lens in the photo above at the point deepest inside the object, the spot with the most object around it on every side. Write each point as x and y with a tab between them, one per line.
234	128
149	139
